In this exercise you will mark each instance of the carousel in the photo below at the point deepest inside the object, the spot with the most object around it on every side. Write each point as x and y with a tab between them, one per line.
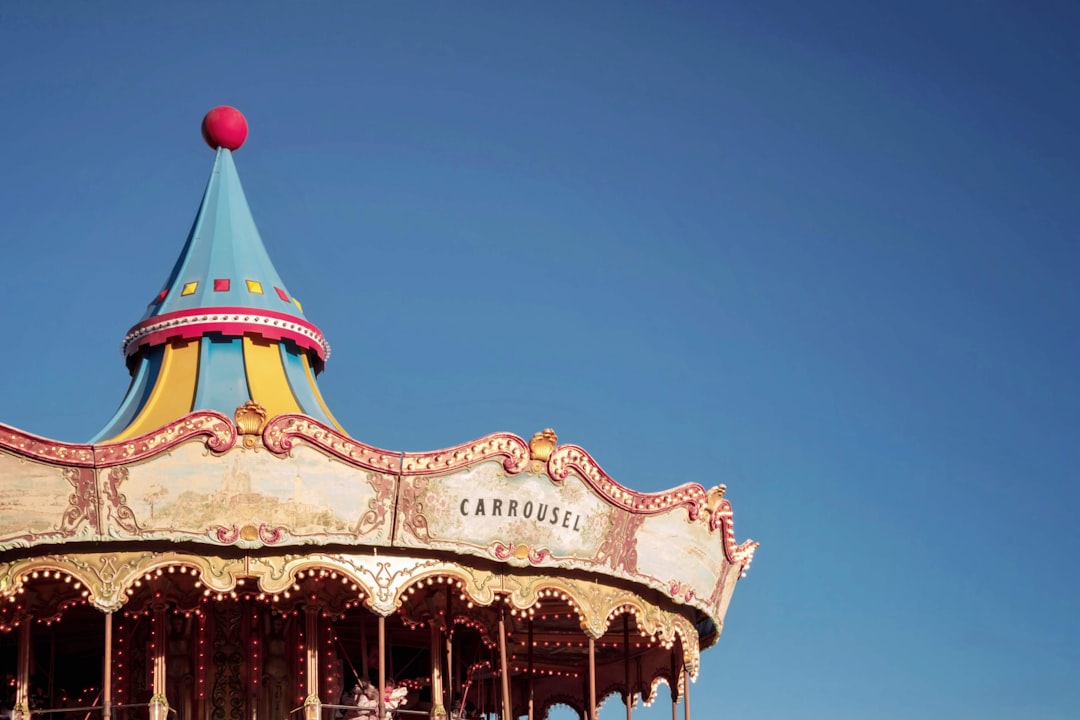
224	550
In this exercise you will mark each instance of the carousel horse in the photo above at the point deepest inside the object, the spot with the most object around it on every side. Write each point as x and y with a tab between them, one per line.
394	697
363	701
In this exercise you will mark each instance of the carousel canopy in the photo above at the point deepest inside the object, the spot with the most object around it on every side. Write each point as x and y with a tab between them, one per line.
223	330
222	506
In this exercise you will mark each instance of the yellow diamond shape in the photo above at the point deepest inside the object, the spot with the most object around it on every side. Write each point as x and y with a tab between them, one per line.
254	286
298	305
189	288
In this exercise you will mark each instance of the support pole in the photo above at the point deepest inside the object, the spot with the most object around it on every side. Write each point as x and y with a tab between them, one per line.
312	704
50	690
448	632
674	687
438	710
627	696
504	666
159	703
382	667
686	692
22	681
106	683
592	678
530	677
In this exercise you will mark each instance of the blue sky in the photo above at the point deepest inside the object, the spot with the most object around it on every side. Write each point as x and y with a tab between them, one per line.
825	253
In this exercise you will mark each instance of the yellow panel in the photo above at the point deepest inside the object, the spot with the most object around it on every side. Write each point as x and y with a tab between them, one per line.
266	377
189	288
298	305
318	395
173	393
254	286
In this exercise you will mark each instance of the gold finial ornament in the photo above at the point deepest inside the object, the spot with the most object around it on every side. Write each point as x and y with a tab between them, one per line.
542	444
250	421
713	497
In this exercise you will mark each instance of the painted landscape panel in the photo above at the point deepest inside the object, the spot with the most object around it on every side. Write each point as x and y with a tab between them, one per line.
306	497
694	560
35	499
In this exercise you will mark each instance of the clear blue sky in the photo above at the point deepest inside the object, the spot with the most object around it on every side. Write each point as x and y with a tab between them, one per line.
826	253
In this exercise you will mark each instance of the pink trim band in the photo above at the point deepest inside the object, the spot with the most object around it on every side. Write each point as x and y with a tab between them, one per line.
229	321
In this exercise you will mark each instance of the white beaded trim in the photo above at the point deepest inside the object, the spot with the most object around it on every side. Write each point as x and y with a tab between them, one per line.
246	318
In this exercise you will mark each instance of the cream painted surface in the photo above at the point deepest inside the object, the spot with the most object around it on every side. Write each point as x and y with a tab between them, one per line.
681	551
251	498
33	499
481	507
190	491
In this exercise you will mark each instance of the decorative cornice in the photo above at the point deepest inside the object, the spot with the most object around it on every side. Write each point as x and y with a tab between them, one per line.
109	575
513	450
220	434
701	504
230	322
50	451
282	432
571	458
218	431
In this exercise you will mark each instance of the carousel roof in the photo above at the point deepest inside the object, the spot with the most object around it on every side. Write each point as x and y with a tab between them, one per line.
223	330
223	477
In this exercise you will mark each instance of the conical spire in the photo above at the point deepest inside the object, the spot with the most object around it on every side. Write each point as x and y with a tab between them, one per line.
224	330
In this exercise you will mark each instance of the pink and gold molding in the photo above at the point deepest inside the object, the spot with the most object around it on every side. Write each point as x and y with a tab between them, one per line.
229	322
250	483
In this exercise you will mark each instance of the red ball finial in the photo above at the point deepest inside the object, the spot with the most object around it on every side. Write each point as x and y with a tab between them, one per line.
225	127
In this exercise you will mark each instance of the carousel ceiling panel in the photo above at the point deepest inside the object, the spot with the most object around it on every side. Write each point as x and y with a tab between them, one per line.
290	480
529	519
521	519
40	502
251	498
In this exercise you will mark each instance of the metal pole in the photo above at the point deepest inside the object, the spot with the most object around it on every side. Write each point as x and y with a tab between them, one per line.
159	703
530	677
50	691
438	710
382	667
448	690
674	688
626	663
504	665
106	683
22	683
686	693
592	678
312	704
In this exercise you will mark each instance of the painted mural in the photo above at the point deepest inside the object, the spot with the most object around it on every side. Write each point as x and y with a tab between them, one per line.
39	501
692	564
528	519
294	482
254	497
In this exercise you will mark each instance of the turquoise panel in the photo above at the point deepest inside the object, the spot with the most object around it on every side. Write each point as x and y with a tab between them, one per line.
142	383
222	383
300	385
224	243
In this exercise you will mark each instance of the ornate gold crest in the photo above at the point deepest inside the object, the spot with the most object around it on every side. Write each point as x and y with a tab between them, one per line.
250	421
543	444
